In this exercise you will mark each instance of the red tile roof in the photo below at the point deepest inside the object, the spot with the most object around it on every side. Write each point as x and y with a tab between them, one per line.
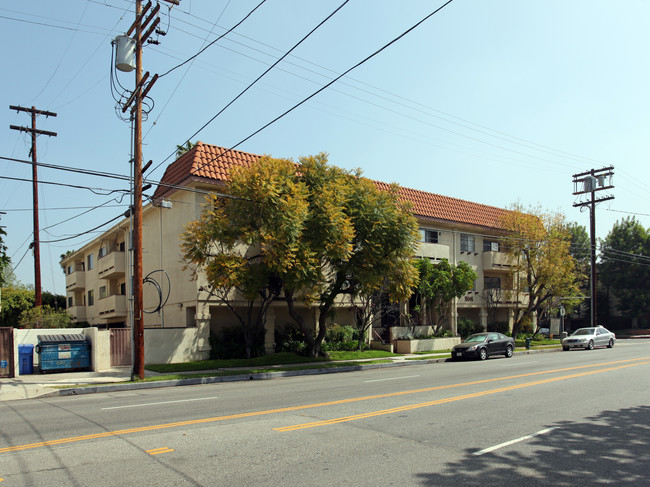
210	164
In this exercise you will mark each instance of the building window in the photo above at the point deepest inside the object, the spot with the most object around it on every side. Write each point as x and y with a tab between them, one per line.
428	236
492	283
90	262
491	246
69	301
70	269
121	246
91	297
123	289
102	252
102	292
467	243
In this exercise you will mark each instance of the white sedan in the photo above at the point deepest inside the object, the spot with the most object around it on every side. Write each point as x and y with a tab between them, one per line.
589	338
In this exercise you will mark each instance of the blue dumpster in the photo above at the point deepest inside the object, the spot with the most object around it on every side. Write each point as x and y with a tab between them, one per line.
25	359
63	352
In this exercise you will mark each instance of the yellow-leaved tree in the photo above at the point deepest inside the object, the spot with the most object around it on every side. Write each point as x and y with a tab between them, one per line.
544	271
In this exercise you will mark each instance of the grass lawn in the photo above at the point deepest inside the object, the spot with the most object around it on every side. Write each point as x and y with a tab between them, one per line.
258	363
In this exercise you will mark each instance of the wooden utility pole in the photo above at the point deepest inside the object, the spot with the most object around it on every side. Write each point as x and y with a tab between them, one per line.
139	93
36	243
589	183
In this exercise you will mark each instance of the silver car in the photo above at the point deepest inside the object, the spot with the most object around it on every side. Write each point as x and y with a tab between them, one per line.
589	338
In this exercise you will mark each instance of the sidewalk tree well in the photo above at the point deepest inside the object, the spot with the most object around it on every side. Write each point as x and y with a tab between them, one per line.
539	245
320	231
624	269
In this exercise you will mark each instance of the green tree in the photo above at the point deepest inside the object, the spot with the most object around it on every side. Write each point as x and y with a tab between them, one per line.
44	317
625	266
320	231
242	242
5	261
357	238
539	244
439	285
15	300
182	149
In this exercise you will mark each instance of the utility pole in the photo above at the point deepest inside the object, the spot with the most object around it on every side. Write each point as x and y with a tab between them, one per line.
141	89
36	243
588	183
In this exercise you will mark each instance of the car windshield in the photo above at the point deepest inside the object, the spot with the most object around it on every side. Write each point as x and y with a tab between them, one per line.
476	338
585	331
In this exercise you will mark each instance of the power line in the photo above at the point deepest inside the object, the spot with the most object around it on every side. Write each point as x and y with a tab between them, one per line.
419	106
94	190
83	233
367	58
213	42
279	60
65	208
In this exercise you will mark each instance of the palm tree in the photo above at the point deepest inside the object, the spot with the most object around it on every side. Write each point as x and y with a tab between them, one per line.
182	149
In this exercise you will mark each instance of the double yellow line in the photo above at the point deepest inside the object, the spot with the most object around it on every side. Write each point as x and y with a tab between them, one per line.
447	400
106	434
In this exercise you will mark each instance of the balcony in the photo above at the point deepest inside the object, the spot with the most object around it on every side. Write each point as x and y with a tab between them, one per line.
497	261
113	306
75	281
433	251
111	265
78	313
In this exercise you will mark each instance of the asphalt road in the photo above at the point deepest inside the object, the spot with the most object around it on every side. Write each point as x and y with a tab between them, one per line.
565	418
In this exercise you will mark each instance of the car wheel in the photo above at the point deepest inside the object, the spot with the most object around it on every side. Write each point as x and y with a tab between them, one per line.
566	349
590	345
482	354
509	351
611	343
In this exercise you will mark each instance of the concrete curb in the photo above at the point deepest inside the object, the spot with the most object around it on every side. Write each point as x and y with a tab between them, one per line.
77	391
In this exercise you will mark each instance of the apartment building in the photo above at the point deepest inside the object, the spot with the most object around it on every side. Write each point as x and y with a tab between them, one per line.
98	286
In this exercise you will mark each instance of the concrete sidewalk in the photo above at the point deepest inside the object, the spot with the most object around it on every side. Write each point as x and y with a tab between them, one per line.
37	385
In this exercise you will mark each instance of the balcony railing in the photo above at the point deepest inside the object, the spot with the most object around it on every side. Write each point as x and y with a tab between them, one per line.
433	251
111	265
75	281
112	306
78	313
497	261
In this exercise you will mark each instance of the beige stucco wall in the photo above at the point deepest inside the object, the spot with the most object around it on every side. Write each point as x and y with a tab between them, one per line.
176	345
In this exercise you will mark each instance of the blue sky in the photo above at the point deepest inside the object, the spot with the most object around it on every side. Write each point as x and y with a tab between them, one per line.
494	102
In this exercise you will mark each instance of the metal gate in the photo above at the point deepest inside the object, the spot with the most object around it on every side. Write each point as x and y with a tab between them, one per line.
7	352
120	346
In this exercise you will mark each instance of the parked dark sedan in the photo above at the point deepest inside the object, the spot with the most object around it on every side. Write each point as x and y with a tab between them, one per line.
483	345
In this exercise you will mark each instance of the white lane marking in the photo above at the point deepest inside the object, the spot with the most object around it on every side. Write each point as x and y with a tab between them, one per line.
392	378
512	442
157	403
516	364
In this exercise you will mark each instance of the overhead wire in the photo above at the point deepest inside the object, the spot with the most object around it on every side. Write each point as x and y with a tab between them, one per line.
418	105
280	59
178	84
213	42
324	87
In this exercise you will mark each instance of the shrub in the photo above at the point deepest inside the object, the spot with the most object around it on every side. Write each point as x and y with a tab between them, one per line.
341	338
231	344
466	327
290	339
44	317
501	327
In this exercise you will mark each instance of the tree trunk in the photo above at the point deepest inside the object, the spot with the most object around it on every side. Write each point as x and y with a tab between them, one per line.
307	331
